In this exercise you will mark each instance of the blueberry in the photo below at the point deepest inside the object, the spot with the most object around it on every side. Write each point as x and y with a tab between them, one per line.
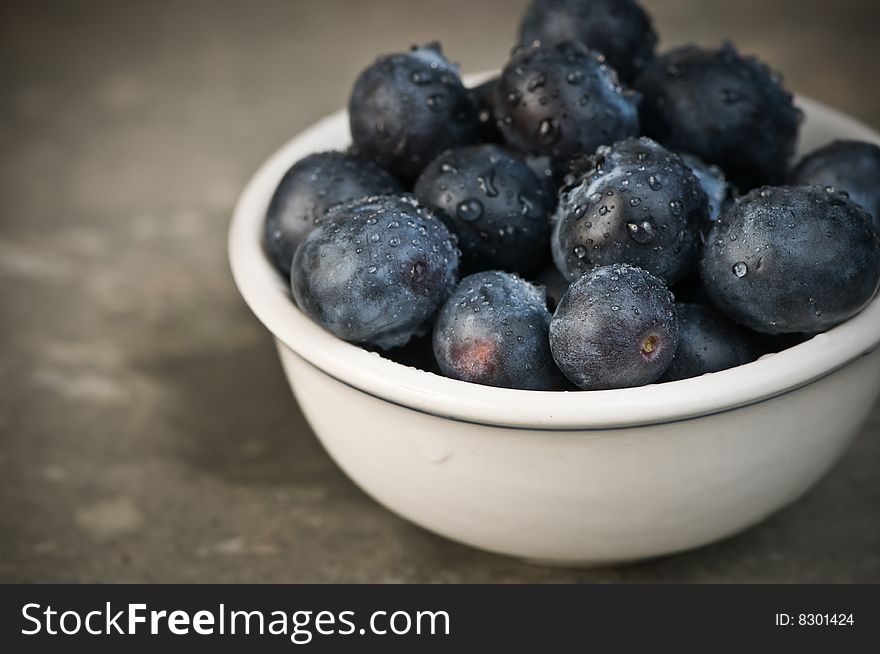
634	202
719	192
707	342
792	259
483	97
495	204
728	110
493	331
309	188
619	29
375	270
849	166
406	109
615	327
561	101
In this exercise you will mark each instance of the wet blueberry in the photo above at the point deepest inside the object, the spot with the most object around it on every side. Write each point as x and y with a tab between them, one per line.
405	109
728	110
792	259
615	327
707	342
619	29
495	204
375	270
634	202
309	188
561	101
852	167
493	331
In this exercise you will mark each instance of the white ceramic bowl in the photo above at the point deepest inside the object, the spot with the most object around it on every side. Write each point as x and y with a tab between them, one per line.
574	478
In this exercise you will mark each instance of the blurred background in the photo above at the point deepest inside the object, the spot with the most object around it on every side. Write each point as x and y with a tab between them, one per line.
146	430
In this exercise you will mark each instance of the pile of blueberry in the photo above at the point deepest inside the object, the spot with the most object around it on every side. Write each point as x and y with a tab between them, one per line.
535	231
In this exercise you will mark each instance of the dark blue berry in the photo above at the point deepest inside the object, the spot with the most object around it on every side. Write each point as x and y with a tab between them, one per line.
615	327
375	270
561	101
852	167
792	259
309	188
634	202
619	29
493	331
707	342
728	110
495	204
406	109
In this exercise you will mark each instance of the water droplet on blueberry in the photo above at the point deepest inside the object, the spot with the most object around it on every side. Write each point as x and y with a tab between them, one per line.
436	102
641	232
421	77
487	184
549	131
537	82
469	210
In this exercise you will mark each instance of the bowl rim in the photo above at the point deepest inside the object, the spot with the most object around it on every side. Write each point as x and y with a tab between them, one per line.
773	375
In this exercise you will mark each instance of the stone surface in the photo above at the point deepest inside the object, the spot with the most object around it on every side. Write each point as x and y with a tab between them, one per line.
146	430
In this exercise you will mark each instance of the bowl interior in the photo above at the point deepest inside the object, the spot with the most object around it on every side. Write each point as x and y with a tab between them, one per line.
268	297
